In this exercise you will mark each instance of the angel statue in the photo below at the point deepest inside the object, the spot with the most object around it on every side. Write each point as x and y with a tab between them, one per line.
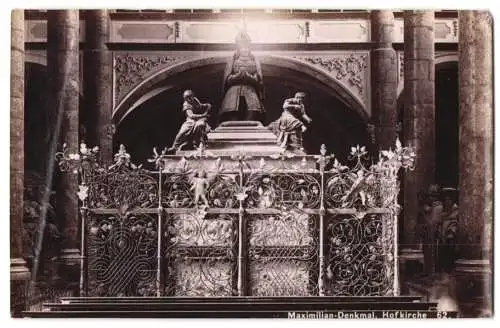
200	186
122	158
292	123
194	130
200	181
359	188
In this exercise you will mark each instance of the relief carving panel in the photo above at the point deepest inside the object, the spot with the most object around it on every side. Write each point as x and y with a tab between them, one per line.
350	69
131	69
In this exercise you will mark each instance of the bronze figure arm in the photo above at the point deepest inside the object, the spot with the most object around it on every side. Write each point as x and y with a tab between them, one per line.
194	116
306	118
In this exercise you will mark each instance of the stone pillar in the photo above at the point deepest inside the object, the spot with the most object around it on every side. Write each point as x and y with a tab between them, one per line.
98	82
419	107
384	78
19	273
63	68
475	65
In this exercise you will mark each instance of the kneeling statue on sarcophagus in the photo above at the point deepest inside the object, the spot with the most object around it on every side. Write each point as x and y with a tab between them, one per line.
292	123
194	130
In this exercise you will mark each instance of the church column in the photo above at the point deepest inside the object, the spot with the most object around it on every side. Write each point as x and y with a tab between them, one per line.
63	67
19	273
419	106
98	82
475	73
384	75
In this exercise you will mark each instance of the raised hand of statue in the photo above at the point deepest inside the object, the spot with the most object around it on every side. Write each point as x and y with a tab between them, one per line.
208	108
307	119
242	76
253	76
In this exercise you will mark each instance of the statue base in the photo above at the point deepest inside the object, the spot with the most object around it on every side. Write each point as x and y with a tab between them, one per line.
19	286
411	265
248	137
251	140
474	287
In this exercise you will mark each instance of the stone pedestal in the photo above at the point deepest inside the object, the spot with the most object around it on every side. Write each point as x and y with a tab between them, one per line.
384	78
63	67
245	137
249	140
98	83
419	106
410	262
475	64
19	273
19	286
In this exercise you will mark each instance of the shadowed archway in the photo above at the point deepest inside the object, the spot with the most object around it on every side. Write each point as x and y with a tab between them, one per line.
150	115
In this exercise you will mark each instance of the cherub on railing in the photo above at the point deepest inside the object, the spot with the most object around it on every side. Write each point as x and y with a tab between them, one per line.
122	159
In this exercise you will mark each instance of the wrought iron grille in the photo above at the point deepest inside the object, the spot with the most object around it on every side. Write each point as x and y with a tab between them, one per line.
203	225
201	254
283	254
123	246
357	263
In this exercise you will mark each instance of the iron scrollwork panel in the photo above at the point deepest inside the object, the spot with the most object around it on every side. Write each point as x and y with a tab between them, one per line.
359	255
113	188
122	255
283	254
200	255
179	190
360	188
275	189
280	247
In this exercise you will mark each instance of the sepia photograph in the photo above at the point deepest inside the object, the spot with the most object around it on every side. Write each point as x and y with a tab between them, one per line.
251	163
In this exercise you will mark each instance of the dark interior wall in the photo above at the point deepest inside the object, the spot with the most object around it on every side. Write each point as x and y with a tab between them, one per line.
156	122
38	119
39	122
447	124
446	115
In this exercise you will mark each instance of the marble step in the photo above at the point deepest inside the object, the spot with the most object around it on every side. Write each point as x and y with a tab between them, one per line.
243	299
206	307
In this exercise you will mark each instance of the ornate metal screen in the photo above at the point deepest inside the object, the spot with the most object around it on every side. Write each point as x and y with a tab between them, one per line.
202	225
